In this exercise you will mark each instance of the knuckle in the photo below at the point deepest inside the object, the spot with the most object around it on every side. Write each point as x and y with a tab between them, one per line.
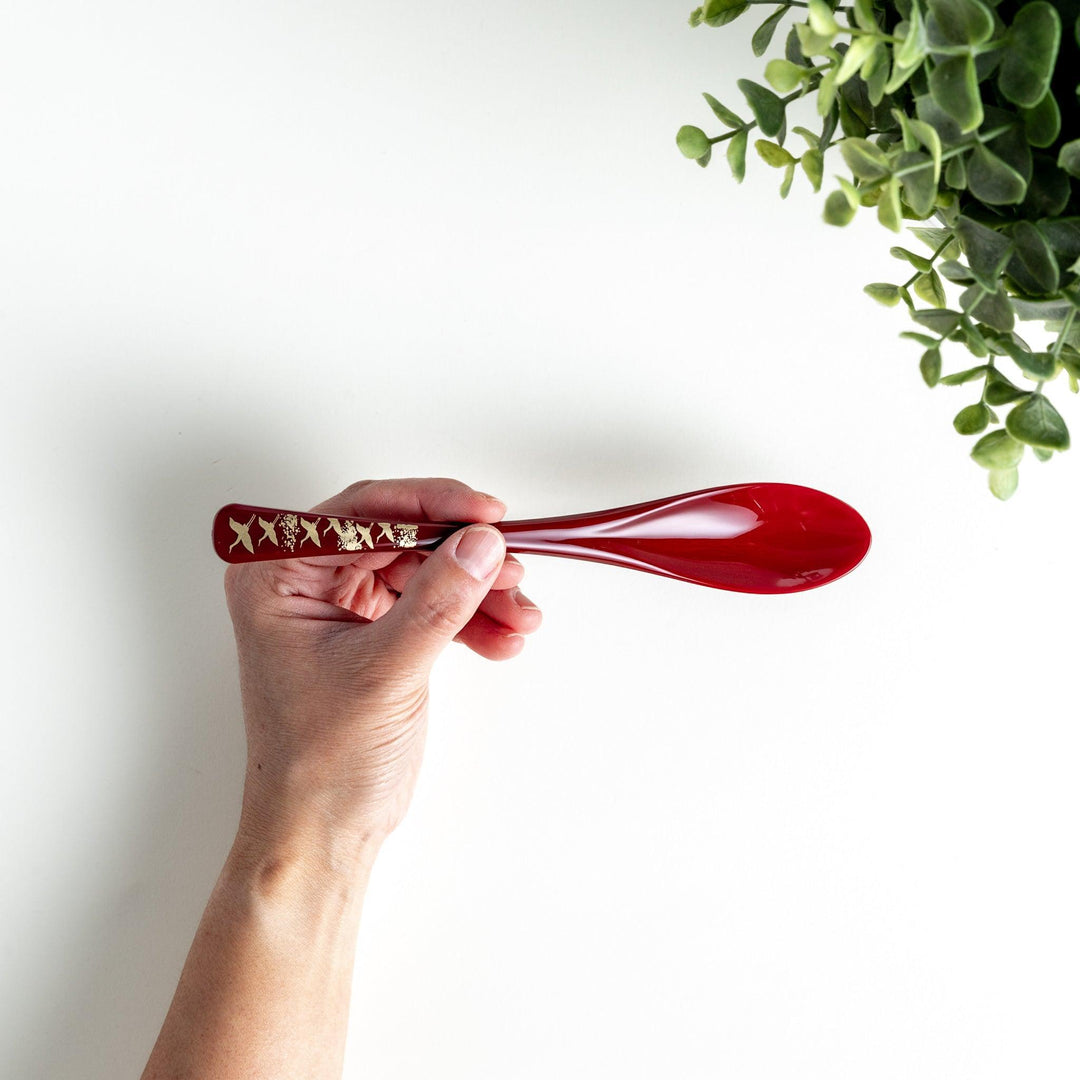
355	489
234	582
440	615
447	485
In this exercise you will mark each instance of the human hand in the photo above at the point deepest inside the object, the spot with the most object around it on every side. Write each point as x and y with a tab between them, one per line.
335	654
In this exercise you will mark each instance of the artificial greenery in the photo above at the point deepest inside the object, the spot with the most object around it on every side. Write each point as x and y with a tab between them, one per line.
961	112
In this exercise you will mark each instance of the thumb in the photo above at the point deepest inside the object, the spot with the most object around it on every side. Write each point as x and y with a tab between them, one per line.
443	595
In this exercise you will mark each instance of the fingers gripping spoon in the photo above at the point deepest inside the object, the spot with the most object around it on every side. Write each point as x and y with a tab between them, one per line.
755	538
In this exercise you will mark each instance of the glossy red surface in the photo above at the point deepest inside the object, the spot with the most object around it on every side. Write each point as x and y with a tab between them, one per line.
757	538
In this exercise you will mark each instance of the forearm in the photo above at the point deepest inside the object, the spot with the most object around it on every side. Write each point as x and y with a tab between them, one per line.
265	989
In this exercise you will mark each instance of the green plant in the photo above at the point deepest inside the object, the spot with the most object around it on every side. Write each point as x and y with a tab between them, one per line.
960	111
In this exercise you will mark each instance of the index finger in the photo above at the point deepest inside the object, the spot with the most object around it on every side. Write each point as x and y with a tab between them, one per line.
412	499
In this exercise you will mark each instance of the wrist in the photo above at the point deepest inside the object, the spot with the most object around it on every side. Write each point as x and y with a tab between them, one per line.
297	892
300	846
299	817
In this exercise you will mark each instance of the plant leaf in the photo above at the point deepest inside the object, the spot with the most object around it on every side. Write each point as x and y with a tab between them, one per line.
956	173
992	308
840	207
1048	190
821	19
1037	423
889	212
858	52
954	86
721	12
1036	365
763	35
1069	157
955	271
1003	482
926	108
930	366
772	154
900	75
910	54
883	292
920	262
962	22
692	141
1042	310
928	287
785	184
991	180
998	450
813	163
736	154
850	119
1042	122
811	44
931	237
826	98
1031	48
928	136
767	108
864	15
864	159
972	419
909	138
973	339
987	250
918	180
958	378
723	113
783	75
792	46
940	320
1011	145
1000	391
875	73
1036	255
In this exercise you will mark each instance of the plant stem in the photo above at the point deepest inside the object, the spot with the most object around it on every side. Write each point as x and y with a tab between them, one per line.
951	153
753	123
1055	349
735	131
918	273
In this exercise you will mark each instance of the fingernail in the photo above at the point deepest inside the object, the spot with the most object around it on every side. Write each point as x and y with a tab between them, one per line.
479	551
523	601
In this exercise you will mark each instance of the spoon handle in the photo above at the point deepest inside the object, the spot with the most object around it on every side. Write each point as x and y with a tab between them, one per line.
244	534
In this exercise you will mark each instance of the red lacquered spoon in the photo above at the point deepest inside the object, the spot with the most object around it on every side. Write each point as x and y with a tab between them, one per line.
756	538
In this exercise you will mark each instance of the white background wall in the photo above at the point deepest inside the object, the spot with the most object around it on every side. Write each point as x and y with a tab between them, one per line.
255	251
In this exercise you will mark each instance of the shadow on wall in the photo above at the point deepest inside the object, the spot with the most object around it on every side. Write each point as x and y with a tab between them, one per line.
167	834
97	1019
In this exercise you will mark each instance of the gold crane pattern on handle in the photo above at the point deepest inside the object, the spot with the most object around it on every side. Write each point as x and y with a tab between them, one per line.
351	535
243	536
269	531
311	532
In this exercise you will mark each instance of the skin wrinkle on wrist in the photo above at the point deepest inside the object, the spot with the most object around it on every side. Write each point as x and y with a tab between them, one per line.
310	839
301	814
296	882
